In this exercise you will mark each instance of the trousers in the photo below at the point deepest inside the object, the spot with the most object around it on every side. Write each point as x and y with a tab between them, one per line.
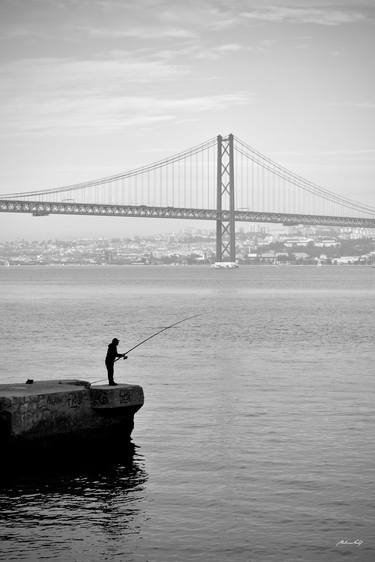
110	370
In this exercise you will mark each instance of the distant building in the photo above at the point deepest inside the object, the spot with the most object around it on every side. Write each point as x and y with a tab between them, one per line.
267	257
300	257
346	260
297	241
327	243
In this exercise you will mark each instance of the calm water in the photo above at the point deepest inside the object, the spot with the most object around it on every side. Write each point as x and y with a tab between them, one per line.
256	441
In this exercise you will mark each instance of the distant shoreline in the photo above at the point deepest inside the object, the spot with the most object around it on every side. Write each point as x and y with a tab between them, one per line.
173	265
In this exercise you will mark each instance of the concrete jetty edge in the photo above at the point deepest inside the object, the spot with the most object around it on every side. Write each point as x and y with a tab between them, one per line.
66	414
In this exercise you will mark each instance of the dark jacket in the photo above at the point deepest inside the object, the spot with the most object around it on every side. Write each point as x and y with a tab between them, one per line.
112	353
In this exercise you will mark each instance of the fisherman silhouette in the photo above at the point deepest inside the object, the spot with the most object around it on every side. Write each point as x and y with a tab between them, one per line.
110	359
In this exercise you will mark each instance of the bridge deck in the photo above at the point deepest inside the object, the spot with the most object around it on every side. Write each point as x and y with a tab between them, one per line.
38	208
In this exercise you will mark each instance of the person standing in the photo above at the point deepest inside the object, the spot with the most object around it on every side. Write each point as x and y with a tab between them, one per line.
110	359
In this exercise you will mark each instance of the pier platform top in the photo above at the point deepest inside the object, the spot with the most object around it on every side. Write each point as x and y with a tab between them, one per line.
42	387
37	388
51	408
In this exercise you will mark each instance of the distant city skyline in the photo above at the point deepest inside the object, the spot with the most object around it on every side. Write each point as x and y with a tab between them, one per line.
94	89
292	246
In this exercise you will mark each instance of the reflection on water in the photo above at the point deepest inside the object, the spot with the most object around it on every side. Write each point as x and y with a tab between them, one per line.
77	507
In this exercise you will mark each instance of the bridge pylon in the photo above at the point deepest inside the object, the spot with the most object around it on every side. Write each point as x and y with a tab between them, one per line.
225	229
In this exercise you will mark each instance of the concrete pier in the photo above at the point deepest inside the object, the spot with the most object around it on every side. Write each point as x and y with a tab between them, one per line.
49	412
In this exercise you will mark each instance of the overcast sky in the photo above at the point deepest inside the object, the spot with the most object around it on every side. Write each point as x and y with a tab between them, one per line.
95	87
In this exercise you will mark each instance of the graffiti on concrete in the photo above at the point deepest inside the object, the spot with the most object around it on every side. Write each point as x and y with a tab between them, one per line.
125	396
55	399
100	399
74	400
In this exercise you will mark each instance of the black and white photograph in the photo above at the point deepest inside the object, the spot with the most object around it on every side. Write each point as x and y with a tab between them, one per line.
187	280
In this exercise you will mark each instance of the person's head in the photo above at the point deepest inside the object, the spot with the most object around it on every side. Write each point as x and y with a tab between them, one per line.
115	341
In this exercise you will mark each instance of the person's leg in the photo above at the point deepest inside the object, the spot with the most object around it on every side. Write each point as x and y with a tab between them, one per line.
110	373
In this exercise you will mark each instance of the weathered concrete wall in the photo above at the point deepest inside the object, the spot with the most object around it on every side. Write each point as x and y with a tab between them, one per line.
51	412
50	408
124	395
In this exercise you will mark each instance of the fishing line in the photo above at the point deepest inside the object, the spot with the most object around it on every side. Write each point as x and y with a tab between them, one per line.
152	336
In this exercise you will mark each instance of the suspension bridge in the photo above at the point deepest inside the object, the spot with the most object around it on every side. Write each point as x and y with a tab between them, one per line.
223	179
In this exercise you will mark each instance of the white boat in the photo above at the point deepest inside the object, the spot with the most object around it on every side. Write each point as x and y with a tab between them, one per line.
225	265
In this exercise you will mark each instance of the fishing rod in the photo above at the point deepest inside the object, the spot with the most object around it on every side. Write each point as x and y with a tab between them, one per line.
123	355
159	332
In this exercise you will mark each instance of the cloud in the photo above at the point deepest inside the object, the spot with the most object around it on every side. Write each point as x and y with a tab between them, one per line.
201	51
229	47
47	111
107	74
318	153
354	104
351	152
49	95
288	14
144	33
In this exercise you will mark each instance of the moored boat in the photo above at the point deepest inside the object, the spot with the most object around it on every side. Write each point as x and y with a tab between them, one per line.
225	265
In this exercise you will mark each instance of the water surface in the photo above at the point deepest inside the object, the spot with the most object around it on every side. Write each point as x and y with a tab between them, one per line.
256	438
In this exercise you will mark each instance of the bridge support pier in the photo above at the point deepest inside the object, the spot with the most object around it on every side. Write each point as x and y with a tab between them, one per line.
225	229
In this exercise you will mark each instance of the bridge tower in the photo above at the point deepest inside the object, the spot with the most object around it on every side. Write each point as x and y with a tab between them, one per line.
225	227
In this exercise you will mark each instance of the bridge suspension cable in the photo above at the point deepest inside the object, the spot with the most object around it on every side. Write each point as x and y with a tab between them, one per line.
278	170
189	180
181	156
